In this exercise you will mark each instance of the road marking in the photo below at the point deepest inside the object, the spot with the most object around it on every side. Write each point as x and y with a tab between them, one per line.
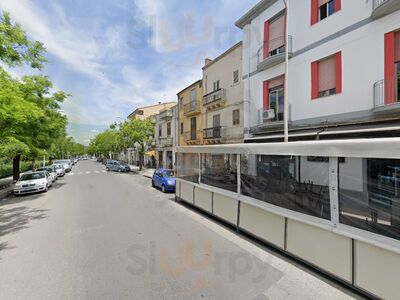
103	171
70	174
97	172
88	172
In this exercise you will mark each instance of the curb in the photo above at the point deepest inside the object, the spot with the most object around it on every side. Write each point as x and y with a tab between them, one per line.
5	193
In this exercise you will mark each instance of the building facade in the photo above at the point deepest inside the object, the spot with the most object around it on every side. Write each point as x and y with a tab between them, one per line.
165	133
344	69
223	98
190	115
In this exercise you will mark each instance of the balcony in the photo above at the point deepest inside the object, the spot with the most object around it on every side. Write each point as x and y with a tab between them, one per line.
270	118
192	108
192	137
165	142
215	99
212	135
165	114
275	56
387	95
384	7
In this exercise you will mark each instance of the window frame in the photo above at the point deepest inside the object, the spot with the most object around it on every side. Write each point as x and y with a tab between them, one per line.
238	76
236	121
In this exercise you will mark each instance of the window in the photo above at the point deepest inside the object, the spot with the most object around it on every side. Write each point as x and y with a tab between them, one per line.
188	167
220	170
274	36
274	99
323	159
235	76
181	128
321	9
159	130
290	182
193	95
169	129
326	76
216	85
181	103
236	117
369	191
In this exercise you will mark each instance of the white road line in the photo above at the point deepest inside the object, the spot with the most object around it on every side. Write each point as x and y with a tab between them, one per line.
88	172
103	171
70	174
97	172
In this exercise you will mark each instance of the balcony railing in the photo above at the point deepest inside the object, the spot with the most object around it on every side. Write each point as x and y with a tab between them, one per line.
192	136
381	8
192	107
214	96
378	3
275	52
165	114
212	133
387	92
165	141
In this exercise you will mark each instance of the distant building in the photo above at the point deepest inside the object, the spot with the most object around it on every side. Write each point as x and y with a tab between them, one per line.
223	98
145	112
166	136
190	114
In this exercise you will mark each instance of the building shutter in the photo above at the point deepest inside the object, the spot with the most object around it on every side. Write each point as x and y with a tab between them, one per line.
314	80
390	70
338	71
266	40
276	82
338	5
397	46
277	33
327	74
314	11
265	95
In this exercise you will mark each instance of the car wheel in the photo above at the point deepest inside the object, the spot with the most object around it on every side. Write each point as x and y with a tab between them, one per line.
163	189
46	189
119	170
107	169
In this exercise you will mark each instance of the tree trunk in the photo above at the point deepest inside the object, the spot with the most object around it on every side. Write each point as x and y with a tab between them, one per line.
34	165
16	167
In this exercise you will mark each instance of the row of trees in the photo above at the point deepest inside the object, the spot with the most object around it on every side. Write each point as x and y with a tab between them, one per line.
119	137
31	124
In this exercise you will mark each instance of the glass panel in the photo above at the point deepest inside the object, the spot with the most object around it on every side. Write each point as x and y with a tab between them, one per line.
323	12
220	170
331	7
369	195
287	181
188	167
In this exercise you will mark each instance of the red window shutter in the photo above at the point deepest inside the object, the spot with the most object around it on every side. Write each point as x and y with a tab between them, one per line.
314	11
265	95
390	70
338	58
338	5
266	40
314	80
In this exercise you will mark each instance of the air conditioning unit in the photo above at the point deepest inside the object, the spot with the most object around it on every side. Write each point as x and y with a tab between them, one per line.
268	114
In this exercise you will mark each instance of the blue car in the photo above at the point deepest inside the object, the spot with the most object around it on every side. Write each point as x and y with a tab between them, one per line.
164	179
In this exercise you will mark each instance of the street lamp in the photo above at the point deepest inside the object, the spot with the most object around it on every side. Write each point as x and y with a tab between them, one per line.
286	104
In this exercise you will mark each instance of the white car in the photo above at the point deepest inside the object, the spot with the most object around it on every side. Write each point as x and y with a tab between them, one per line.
52	171
60	170
66	163
33	182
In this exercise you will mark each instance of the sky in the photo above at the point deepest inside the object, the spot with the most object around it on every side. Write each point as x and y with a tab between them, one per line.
114	56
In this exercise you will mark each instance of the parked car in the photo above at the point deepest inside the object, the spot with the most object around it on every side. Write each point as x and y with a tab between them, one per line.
164	179
52	171
66	163
33	182
118	166
59	169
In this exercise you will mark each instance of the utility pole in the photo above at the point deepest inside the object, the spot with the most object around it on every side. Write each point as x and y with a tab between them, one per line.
286	104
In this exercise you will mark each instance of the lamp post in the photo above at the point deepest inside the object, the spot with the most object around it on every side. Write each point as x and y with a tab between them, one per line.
286	104
44	158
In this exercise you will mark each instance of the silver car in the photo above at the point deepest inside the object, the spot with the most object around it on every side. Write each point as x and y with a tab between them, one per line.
60	170
33	182
66	163
51	170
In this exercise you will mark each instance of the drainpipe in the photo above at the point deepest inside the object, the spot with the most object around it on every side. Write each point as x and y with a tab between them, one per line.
286	104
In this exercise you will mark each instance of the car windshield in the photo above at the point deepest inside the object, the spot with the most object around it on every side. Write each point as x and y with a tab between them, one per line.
48	169
62	162
168	174
32	176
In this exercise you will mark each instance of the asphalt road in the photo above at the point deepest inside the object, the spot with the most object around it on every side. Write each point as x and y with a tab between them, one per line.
99	235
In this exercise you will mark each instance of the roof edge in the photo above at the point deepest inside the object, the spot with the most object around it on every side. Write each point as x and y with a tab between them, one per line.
254	12
219	57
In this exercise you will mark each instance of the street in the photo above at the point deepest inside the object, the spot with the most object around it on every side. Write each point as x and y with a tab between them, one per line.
99	235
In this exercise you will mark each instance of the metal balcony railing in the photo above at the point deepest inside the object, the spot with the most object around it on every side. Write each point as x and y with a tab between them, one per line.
214	96
274	52
212	133
191	107
387	91
378	3
192	135
165	141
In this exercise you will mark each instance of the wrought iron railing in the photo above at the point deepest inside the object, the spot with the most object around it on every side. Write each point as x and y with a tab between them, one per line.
387	91
192	106
214	96
212	133
277	51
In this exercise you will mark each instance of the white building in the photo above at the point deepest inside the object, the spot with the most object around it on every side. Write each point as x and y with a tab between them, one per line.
223	98
166	137
344	68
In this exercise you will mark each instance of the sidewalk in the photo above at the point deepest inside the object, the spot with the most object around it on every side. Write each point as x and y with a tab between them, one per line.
145	172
